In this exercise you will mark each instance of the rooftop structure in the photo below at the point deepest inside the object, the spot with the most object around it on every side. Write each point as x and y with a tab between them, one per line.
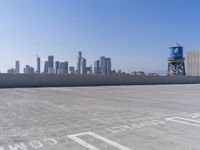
176	65
193	63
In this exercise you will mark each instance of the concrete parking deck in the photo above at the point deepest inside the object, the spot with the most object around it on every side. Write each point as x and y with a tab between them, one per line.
153	117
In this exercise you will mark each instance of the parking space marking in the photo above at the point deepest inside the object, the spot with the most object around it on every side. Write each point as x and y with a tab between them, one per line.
187	121
91	147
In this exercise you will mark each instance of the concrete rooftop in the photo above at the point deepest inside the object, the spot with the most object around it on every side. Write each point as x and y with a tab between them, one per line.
153	117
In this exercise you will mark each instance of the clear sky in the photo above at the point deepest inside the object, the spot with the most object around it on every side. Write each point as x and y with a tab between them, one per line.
136	34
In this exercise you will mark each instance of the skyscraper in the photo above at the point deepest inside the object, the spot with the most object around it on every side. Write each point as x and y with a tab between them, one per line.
108	65
51	71
72	70
79	62
46	66
83	66
64	67
57	66
38	65
105	65
17	67
28	70
90	70
96	67
193	63
51	61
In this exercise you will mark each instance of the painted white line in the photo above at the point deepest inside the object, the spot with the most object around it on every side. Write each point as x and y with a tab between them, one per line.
187	121
83	143
91	147
194	116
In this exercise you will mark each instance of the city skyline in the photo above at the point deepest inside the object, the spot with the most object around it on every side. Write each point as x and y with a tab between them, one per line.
42	67
52	66
136	33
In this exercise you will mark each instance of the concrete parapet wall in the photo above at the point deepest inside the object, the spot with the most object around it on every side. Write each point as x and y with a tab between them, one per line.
35	80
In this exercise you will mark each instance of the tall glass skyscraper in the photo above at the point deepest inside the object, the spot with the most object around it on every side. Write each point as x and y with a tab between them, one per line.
96	67
38	65
51	61
105	65
83	66
46	66
79	62
57	66
17	67
64	67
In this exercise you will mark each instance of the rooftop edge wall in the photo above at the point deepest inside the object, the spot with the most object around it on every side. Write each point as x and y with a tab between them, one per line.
42	80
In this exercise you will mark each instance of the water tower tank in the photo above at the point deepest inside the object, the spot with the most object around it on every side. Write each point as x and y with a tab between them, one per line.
176	52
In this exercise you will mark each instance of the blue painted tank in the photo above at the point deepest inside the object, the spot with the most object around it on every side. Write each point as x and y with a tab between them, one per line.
176	51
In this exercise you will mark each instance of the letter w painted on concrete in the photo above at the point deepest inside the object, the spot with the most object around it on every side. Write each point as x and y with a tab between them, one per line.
91	147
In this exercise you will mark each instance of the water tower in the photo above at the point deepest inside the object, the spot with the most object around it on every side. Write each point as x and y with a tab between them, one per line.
176	65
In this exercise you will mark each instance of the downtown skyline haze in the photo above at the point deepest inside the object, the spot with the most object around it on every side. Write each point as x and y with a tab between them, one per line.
136	34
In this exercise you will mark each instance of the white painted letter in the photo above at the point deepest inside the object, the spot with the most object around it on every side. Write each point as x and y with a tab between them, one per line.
22	146
51	141
36	144
116	129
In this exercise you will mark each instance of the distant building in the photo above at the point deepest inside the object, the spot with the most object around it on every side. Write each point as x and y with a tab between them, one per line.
46	66
119	72
60	71
193	63
64	67
38	65
97	67
11	71
57	66
153	74
17	67
83	66
51	71
141	73
51	61
114	72
108	65
138	73
28	70
72	70
90	70
105	65
79	62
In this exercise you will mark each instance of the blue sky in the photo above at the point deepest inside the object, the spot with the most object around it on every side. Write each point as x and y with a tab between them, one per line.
136	34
